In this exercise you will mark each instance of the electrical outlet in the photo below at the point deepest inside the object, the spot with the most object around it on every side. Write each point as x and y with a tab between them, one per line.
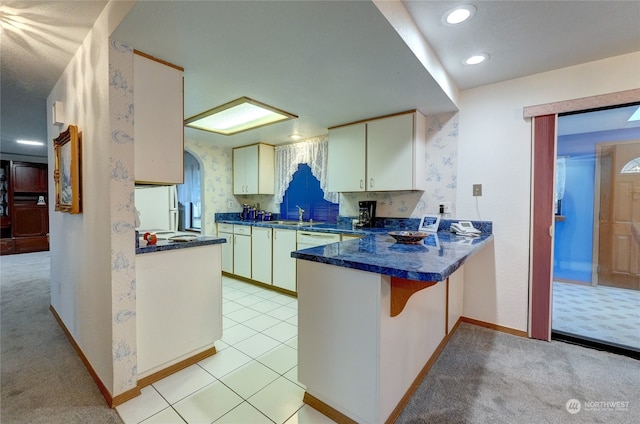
230	204
477	190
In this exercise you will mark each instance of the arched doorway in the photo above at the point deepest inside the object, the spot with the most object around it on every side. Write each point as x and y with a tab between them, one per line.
190	204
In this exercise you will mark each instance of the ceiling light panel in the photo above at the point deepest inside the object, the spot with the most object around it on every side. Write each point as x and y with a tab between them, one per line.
30	142
240	115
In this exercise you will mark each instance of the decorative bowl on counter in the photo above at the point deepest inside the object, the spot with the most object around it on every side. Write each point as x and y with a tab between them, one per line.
409	237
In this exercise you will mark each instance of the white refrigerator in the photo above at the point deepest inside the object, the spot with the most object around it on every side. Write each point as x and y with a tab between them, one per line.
157	208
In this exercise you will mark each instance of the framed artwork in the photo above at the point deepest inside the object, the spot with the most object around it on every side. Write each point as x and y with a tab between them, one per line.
66	173
429	223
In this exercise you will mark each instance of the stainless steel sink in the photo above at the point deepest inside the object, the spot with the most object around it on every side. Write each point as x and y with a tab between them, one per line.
298	223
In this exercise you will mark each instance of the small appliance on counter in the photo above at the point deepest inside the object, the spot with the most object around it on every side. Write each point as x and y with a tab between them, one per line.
254	213
366	213
248	213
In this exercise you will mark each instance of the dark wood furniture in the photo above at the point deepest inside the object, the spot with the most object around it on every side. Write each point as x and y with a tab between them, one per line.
24	224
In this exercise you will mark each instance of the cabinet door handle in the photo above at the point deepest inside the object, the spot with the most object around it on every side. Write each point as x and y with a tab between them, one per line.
371	183
361	183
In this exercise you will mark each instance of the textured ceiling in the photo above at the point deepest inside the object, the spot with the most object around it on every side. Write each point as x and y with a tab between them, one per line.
37	41
328	62
528	37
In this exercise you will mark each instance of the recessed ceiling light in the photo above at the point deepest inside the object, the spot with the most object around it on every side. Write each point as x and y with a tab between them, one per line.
30	142
459	14
476	59
240	115
295	136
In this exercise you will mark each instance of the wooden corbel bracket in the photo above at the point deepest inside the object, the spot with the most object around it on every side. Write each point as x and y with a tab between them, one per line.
402	289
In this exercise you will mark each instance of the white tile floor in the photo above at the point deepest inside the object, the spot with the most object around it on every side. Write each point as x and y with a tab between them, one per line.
252	378
603	313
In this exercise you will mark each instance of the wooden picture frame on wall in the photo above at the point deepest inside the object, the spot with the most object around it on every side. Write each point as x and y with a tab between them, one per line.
67	174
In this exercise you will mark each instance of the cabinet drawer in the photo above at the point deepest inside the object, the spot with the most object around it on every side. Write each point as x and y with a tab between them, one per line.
30	220
31	244
225	228
242	229
7	246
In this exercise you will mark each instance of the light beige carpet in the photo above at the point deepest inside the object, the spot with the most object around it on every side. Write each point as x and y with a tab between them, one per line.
484	376
42	378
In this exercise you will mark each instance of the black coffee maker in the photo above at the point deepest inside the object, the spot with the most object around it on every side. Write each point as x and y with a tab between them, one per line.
366	213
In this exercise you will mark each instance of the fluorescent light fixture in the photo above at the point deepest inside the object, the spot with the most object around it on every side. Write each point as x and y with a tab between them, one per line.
30	142
240	115
635	116
459	14
476	59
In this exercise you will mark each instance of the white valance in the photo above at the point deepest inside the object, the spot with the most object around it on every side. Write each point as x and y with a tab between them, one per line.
313	152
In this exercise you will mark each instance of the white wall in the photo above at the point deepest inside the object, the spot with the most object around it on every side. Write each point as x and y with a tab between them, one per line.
81	269
495	150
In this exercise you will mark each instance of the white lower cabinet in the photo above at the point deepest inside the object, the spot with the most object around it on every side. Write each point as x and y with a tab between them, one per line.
261	254
284	266
226	231
242	250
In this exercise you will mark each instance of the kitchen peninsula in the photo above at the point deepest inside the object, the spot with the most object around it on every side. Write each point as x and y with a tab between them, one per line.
373	316
178	304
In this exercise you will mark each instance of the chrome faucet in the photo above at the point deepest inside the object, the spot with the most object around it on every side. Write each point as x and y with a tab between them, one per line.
300	212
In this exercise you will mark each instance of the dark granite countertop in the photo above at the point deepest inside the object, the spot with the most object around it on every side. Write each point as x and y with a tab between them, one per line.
434	259
164	245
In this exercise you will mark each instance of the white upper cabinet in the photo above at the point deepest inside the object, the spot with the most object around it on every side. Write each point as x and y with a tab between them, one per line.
158	117
390	155
253	169
346	161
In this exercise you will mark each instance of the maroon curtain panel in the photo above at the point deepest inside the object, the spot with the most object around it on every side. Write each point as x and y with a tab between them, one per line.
544	136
